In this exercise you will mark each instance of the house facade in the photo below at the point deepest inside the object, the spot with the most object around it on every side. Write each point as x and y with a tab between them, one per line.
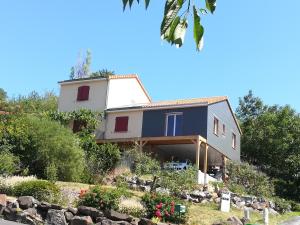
203	131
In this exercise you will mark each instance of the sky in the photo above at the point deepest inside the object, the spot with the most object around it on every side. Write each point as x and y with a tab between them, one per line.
247	45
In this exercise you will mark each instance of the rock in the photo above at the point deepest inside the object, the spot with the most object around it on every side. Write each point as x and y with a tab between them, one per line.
273	212
198	194
162	191
3	200
135	221
26	202
44	206
257	206
55	206
100	219
234	221
11	213
116	216
89	211
145	188
72	210
145	221
81	220
240	204
55	217
217	200
204	201
68	216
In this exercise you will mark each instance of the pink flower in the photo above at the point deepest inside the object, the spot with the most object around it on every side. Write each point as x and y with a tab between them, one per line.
158	213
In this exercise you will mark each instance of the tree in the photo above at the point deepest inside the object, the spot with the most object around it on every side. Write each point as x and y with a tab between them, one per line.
104	73
42	144
271	141
175	20
82	68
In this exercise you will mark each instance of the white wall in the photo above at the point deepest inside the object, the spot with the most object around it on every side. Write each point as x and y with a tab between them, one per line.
135	122
124	92
97	96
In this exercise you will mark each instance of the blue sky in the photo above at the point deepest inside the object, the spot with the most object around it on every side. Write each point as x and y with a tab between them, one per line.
248	45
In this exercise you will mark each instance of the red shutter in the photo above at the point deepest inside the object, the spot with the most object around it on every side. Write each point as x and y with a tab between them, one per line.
83	93
121	124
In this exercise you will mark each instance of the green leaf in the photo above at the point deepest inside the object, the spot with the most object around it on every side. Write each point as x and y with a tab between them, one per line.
124	4
169	34
172	7
147	3
179	33
198	30
130	3
211	5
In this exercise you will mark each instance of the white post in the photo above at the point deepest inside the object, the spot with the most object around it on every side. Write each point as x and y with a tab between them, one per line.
266	216
247	214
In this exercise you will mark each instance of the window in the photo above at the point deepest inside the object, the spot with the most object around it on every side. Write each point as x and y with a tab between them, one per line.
174	124
216	126
78	125
121	124
233	143
83	93
224	130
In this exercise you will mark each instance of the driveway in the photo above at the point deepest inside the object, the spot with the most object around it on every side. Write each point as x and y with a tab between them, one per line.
5	222
293	221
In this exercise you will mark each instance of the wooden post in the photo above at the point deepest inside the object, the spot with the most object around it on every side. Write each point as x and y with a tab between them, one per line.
198	146
205	163
224	168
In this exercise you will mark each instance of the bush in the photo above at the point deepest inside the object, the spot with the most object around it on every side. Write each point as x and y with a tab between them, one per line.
132	207
178	181
39	189
282	205
143	163
245	178
9	163
40	142
102	159
162	207
101	198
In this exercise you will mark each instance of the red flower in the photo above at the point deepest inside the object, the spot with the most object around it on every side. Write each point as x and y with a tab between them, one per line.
167	213
172	210
159	206
158	213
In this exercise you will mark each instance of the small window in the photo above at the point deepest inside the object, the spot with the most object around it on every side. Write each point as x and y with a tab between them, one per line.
216	126
121	124
83	93
224	130
233	144
78	126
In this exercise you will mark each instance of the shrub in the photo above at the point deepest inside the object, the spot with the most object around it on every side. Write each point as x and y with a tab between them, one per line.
132	207
282	205
143	163
101	198
245	178
39	189
162	207
40	142
9	163
102	159
178	181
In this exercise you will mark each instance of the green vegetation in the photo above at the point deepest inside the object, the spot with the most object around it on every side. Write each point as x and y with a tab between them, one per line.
175	20
244	178
11	164
271	142
39	189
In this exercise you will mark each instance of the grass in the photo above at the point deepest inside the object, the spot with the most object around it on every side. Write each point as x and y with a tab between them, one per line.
207	214
199	214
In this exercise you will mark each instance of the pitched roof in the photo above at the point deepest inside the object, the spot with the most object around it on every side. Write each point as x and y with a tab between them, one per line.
110	77
191	101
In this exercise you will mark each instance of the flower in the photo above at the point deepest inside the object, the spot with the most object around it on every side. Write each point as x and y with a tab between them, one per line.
158	213
159	206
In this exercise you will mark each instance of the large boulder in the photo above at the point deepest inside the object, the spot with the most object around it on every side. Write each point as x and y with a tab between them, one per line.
55	217
89	211
26	202
145	221
81	220
116	216
233	220
68	216
110	222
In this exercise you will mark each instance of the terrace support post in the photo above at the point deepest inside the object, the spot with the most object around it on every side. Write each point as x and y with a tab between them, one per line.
198	146
205	164
224	159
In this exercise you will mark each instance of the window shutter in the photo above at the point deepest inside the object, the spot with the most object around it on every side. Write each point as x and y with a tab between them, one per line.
83	93
121	124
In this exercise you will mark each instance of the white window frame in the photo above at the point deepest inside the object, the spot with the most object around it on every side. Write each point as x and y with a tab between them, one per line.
174	125
224	129
233	140
216	132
